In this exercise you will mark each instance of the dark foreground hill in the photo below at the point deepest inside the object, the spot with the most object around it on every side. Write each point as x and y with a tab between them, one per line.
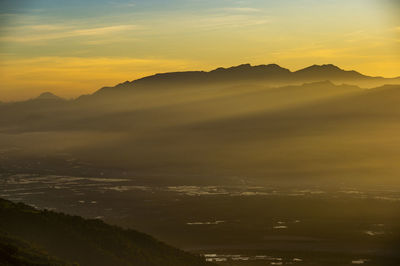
77	240
16	252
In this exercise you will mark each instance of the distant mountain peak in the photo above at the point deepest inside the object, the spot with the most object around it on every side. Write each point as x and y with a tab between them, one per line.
47	96
249	67
272	66
239	67
322	67
327	72
242	66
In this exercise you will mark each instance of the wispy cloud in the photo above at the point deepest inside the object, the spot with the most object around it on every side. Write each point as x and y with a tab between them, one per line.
124	4
242	9
103	30
221	21
46	27
49	32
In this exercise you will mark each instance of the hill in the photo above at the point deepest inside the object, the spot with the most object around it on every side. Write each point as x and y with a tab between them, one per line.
74	239
17	252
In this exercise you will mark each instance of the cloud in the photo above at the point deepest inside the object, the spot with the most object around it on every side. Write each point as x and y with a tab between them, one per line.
102	30
234	21
242	9
45	27
49	32
125	4
223	21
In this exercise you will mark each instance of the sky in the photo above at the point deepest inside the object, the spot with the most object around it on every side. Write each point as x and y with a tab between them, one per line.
76	47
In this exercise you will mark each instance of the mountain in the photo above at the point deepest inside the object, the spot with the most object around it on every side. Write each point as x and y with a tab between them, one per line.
269	75
77	240
48	96
328	72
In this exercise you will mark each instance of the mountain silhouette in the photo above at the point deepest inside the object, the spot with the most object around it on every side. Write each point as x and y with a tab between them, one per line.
47	96
270	75
328	72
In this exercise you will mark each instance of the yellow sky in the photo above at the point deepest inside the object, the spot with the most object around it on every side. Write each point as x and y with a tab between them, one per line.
73	48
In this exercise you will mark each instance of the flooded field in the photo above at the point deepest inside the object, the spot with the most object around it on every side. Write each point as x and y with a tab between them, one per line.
232	225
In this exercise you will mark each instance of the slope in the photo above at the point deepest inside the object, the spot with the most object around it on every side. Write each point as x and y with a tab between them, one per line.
88	242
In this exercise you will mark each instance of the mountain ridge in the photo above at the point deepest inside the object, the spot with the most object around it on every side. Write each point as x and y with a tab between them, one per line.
271	74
